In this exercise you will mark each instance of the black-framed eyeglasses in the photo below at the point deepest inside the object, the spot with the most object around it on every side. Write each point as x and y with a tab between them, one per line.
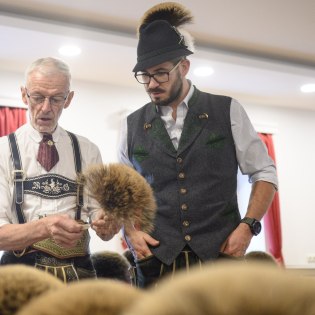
159	77
40	99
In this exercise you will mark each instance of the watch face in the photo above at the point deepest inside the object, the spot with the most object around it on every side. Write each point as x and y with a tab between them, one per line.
256	227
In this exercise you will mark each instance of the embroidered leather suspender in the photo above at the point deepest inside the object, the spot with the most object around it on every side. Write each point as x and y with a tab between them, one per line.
18	178
78	168
67	185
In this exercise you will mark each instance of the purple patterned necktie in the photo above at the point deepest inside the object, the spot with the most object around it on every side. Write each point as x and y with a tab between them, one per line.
47	153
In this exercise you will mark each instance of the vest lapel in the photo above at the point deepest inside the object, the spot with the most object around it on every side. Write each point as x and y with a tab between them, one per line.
195	121
155	129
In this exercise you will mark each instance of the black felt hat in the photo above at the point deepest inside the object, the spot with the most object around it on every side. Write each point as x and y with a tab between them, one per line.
159	42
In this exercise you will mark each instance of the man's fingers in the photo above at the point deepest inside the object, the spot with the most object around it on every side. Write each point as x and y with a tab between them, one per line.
150	240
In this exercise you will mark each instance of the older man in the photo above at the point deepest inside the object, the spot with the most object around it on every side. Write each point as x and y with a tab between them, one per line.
44	210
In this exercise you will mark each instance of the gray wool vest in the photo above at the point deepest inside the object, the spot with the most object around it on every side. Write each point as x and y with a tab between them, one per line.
195	185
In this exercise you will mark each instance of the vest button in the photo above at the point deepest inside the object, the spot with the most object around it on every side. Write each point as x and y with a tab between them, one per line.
183	191
179	160
147	126
186	223
184	206
181	175
187	238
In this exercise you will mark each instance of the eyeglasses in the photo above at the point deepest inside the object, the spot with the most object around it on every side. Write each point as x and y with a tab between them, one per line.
40	99
159	77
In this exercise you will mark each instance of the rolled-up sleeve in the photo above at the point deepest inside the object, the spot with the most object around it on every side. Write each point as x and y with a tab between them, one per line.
251	152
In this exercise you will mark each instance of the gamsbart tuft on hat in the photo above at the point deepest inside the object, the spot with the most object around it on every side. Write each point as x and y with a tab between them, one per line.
159	38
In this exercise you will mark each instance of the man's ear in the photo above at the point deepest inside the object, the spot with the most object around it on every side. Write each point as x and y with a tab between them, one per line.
185	67
24	96
69	99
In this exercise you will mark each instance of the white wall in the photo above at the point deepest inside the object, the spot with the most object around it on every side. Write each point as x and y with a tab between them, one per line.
95	113
295	154
258	243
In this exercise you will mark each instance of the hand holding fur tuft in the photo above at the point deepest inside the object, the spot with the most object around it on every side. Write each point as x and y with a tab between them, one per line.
123	193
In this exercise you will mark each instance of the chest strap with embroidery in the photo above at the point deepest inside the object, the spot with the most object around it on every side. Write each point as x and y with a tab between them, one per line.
51	186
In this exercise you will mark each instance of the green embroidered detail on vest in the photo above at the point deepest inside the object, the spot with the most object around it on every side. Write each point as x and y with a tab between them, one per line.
140	154
215	141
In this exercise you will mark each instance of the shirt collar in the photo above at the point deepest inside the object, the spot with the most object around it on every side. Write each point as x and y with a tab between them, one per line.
184	102
189	94
37	136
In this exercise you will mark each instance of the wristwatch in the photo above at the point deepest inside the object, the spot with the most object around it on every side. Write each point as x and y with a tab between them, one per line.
254	225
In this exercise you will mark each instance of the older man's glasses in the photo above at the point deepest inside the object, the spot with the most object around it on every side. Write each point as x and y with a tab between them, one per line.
159	77
37	99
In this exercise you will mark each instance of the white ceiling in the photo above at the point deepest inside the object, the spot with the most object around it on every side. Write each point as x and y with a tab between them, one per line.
261	51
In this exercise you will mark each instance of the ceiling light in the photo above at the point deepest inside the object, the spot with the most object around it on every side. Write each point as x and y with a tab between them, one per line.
69	50
308	88
203	71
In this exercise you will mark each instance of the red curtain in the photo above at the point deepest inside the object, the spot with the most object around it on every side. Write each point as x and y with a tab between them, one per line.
272	222
10	119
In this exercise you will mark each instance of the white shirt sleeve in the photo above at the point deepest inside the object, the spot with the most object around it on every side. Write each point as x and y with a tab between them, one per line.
6	186
251	152
123	145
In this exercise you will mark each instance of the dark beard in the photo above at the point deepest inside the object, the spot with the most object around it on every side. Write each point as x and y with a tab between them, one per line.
174	94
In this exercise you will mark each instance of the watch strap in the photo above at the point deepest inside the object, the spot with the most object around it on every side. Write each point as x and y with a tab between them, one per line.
254	225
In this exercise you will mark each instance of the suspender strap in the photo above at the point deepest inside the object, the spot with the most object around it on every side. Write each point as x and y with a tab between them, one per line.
78	168
18	177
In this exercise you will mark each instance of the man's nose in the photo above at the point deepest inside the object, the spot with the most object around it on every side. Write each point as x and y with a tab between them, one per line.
46	107
153	83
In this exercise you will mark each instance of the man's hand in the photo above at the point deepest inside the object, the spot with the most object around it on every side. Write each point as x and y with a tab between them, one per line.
64	230
238	241
139	241
105	226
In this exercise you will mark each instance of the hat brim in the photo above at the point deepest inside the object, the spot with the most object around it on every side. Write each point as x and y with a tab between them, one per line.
158	59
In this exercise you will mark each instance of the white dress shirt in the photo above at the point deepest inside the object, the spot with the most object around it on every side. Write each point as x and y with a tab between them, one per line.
28	140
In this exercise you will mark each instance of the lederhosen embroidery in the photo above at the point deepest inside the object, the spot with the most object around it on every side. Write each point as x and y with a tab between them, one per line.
49	186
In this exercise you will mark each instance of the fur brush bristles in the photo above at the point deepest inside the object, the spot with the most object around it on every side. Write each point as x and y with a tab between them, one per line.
123	193
173	12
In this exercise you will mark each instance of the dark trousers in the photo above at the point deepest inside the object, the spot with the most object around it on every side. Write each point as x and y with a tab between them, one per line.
67	270
150	269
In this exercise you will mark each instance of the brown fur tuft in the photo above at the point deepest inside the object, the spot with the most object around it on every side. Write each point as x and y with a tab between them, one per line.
173	12
19	284
112	265
88	297
236	288
123	193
